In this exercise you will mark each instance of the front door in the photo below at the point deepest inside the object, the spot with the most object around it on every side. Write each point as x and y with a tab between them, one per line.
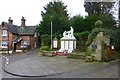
14	46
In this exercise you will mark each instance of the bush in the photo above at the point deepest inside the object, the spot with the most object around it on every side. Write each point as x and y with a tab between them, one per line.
98	24
81	48
89	52
45	40
83	35
81	38
44	48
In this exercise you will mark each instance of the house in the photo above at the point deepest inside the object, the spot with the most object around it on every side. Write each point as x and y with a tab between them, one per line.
13	37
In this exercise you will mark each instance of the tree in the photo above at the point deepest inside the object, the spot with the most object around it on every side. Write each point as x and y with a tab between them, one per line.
56	12
89	22
98	7
77	23
80	23
101	11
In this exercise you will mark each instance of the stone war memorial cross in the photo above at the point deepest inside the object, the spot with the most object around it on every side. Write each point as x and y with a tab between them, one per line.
68	41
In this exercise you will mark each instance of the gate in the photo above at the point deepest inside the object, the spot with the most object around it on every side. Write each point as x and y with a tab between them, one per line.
110	53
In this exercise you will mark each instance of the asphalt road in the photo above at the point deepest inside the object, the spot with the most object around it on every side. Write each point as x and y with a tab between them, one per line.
15	57
108	69
0	67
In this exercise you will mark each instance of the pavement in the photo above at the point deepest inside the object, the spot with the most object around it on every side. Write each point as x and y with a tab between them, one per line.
60	67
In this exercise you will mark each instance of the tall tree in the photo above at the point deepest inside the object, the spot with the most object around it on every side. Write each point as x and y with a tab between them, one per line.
77	23
102	11
57	13
80	23
98	7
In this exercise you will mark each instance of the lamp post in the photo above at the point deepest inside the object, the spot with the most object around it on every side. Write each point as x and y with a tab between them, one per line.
51	34
117	36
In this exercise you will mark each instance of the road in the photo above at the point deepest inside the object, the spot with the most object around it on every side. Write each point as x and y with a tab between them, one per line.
0	67
104	70
15	57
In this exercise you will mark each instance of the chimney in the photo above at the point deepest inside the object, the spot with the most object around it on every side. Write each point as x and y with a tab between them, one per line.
10	21
23	21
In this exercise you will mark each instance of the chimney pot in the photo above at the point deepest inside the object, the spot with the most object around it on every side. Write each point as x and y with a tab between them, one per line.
23	21
10	20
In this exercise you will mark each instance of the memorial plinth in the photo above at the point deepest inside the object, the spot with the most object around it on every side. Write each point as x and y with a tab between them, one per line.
68	41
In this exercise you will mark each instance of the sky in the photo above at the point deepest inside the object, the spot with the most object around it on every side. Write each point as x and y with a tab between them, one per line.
31	10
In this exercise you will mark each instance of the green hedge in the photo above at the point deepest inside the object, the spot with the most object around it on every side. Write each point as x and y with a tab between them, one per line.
82	35
81	40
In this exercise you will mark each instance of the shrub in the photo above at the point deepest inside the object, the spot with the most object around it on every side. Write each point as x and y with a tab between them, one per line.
83	35
81	38
89	52
45	40
98	24
44	48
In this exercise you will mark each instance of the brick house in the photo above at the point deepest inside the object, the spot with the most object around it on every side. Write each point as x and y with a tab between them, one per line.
14	37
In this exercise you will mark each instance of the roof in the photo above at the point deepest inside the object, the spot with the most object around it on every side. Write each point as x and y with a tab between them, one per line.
17	39
27	30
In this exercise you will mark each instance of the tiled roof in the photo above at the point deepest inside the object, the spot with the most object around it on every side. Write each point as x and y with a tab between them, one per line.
27	30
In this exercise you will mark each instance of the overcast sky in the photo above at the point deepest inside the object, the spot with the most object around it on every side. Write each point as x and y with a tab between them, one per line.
31	10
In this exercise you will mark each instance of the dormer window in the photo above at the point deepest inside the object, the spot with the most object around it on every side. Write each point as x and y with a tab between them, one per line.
4	32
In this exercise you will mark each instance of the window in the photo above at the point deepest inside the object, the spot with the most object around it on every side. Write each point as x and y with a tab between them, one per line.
4	44
4	32
24	44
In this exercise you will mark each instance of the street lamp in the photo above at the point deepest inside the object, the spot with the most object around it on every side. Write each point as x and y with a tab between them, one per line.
51	33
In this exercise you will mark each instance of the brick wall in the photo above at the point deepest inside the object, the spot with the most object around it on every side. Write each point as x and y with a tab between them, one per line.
10	35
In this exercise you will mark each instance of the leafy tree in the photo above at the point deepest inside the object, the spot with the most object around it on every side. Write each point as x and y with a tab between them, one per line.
101	11
89	22
77	23
107	20
56	12
98	7
82	24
